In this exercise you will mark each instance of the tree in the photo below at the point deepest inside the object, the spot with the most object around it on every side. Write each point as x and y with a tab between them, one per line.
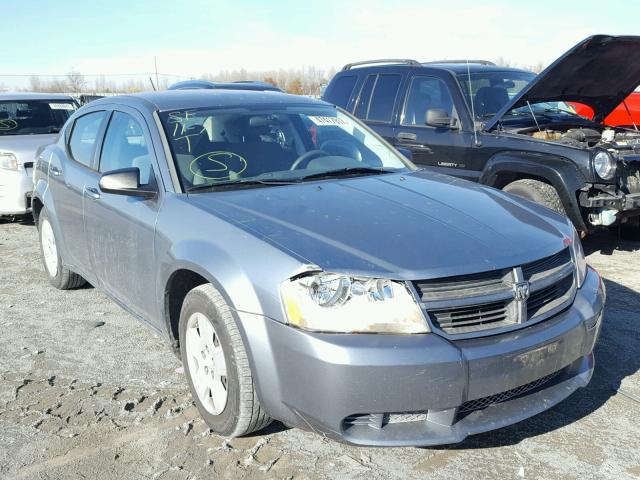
271	81
76	81
35	85
295	87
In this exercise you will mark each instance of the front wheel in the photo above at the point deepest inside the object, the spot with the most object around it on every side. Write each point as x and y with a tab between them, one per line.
216	365
60	277
538	192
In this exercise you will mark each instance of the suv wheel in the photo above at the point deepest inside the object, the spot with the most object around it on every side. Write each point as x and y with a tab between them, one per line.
538	192
60	277
216	365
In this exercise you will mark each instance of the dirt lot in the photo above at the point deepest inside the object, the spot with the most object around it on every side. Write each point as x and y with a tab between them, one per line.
87	392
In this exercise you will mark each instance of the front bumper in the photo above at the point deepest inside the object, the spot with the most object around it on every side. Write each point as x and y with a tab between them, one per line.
618	201
15	191
400	390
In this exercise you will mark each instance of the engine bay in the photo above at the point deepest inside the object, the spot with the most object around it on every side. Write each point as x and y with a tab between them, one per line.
587	137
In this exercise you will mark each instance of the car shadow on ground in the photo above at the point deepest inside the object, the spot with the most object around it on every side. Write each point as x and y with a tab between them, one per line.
607	241
617	357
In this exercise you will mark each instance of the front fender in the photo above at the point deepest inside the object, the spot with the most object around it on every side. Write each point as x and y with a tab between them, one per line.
565	177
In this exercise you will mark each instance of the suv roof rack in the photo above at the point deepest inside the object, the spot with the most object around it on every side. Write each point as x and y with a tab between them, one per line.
237	85
405	61
478	62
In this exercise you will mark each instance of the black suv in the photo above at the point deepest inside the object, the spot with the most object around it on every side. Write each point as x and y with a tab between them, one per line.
526	138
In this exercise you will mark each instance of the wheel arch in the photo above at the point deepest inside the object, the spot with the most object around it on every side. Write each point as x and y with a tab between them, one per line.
557	171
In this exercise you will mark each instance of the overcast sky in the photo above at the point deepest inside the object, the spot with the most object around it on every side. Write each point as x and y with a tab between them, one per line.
192	37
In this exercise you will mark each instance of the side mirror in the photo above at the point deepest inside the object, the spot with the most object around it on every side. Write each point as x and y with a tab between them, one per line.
406	153
125	181
439	118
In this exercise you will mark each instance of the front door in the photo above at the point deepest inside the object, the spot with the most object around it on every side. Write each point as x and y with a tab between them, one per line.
444	148
121	229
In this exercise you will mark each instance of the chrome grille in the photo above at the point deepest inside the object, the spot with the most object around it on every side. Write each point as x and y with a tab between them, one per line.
499	299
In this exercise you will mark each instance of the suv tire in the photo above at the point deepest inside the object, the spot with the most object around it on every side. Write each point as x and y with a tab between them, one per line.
59	276
538	192
214	357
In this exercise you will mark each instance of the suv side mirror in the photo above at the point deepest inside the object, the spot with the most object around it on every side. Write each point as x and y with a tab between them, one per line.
439	118
125	181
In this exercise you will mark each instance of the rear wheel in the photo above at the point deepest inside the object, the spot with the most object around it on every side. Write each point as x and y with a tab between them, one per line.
60	277
216	365
538	192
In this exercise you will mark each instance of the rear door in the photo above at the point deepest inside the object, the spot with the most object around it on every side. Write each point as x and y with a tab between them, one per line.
120	229
68	176
376	103
447	148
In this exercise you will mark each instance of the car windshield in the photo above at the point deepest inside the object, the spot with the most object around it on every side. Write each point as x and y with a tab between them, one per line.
490	91
213	148
33	117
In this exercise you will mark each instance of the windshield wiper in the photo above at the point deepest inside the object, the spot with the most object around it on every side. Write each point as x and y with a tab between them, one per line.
345	171
237	183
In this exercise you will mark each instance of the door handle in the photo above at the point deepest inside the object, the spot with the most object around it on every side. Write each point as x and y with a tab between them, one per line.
92	192
407	136
55	170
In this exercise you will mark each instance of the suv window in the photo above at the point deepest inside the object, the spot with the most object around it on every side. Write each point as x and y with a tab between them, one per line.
342	89
83	137
377	97
383	98
426	93
125	147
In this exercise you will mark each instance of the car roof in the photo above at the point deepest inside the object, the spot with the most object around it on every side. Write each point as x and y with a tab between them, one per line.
239	85
207	98
34	96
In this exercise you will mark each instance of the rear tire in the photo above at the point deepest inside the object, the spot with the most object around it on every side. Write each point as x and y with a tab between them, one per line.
213	354
59	276
538	192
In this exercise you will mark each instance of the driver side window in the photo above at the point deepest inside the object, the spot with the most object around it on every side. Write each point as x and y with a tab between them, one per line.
426	93
125	147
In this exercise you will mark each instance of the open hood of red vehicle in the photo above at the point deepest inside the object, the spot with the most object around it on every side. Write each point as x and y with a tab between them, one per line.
601	71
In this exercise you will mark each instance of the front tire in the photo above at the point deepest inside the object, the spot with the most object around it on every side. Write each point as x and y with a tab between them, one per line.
538	192
60	277
216	365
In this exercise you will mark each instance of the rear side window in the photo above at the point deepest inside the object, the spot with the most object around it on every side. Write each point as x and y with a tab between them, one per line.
83	138
125	147
384	97
341	91
378	97
365	96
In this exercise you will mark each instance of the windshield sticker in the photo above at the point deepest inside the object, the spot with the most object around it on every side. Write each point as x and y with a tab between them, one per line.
330	121
219	165
7	124
61	106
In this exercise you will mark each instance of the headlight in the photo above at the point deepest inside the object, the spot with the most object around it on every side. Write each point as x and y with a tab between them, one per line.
8	161
604	165
578	257
325	302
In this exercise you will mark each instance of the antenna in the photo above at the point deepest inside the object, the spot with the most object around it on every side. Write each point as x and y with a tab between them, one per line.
626	107
534	116
155	64
152	85
473	110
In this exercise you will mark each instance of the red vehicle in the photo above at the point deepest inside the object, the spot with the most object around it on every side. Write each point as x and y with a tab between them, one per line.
622	116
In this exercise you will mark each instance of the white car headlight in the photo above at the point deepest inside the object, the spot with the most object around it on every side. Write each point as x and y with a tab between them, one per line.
326	302
604	165
578	257
8	161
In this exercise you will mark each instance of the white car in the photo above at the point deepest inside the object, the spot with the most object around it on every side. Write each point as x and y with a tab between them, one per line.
28	121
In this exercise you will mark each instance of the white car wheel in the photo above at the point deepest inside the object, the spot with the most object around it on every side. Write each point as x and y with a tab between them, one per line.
206	363
49	250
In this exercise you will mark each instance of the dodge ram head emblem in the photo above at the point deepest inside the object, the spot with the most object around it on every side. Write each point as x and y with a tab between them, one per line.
521	291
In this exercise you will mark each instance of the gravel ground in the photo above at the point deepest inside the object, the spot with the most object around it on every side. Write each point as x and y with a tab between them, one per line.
88	392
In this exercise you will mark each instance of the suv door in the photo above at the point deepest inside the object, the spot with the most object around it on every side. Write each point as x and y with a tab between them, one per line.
446	147
376	103
121	229
68	177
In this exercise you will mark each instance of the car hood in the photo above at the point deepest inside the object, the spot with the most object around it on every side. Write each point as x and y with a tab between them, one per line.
414	226
25	147
599	72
